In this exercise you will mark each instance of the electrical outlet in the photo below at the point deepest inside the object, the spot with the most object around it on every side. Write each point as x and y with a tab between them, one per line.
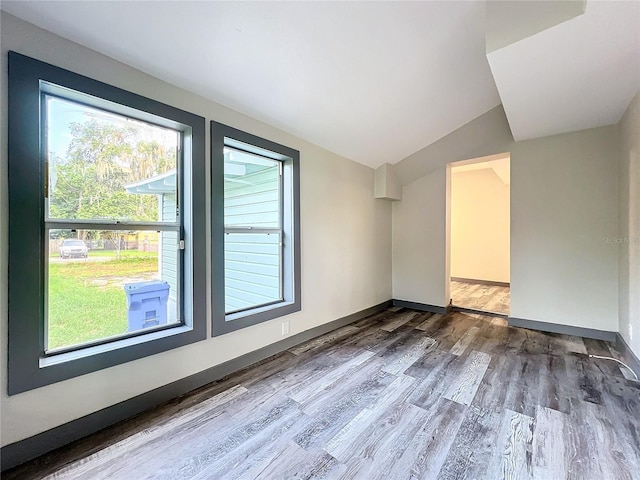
285	328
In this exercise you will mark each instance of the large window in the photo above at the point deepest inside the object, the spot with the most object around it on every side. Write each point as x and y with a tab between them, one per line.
257	258
106	191
112	219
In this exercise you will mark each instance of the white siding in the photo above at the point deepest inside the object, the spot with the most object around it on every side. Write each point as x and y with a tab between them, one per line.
252	269
169	252
252	260
169	207
252	203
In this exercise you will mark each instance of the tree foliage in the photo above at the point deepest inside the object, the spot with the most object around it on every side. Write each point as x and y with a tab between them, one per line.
101	160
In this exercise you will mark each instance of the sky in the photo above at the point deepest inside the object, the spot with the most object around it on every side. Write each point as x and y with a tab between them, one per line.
62	113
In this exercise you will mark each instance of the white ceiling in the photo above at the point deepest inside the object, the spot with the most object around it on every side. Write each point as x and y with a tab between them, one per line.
372	81
579	74
501	167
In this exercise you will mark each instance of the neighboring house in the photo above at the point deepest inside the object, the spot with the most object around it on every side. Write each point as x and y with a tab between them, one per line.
164	185
252	260
252	257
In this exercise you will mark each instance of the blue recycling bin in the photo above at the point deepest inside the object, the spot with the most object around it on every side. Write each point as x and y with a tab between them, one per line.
146	304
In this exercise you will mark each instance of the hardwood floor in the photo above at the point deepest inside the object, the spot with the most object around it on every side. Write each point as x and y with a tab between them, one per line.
399	395
488	298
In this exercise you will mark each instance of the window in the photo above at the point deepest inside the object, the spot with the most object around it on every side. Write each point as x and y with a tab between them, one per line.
106	191
253	231
112	220
256	256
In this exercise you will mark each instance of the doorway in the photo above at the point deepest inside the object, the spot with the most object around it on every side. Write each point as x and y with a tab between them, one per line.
479	234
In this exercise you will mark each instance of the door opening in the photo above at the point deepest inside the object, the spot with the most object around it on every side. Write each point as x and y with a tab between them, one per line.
478	204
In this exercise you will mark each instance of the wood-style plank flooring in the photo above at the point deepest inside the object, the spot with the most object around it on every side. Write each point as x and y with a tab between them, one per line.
399	395
477	296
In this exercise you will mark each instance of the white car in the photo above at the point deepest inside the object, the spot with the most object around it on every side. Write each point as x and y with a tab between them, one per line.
72	247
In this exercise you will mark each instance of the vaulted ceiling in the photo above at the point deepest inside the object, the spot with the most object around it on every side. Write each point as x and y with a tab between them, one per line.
372	81
579	73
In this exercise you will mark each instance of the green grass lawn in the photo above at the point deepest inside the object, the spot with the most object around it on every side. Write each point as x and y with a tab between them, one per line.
86	299
113	253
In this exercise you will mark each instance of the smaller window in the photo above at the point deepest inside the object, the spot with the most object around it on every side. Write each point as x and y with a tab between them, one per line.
257	256
253	243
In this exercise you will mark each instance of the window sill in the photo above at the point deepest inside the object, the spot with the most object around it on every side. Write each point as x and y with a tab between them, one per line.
255	311
247	318
61	358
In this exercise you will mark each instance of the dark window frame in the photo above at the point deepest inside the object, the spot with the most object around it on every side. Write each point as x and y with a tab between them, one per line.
57	223
224	135
28	367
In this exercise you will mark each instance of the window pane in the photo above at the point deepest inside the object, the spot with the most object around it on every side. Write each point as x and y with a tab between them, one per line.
107	283
106	166
252	275
251	190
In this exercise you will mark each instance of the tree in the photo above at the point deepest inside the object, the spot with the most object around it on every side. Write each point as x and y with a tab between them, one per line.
101	160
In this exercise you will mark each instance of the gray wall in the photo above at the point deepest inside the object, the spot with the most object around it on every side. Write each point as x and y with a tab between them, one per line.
346	248
564	201
628	242
419	242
